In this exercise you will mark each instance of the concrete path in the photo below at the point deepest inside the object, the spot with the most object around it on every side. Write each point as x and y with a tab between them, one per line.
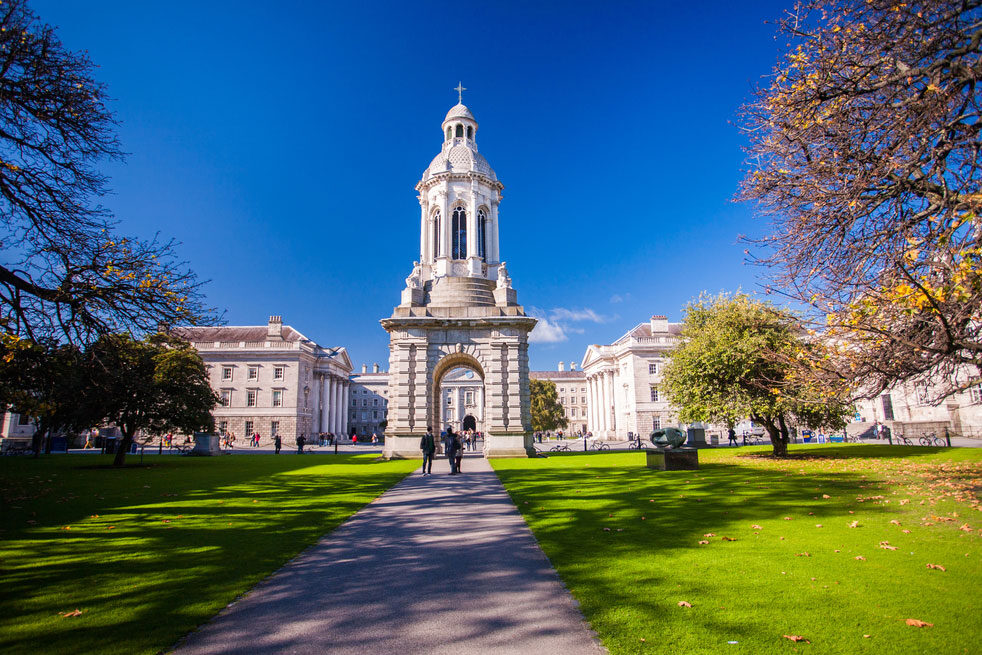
438	564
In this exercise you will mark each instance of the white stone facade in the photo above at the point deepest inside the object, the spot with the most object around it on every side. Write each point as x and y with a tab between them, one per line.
273	380
572	390
369	402
623	381
458	307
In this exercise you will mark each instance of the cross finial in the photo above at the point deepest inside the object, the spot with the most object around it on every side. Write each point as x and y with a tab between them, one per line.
460	88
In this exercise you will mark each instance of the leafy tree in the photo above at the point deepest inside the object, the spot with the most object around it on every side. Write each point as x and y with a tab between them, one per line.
157	384
45	382
547	413
864	152
735	359
64	272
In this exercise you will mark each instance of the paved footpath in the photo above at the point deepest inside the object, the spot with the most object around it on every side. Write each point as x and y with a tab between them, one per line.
437	564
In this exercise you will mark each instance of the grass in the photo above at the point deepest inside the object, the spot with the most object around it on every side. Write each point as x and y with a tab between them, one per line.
148	553
779	557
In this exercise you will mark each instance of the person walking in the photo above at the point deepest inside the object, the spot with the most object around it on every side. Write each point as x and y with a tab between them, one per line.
301	440
427	444
450	448
458	452
277	444
732	436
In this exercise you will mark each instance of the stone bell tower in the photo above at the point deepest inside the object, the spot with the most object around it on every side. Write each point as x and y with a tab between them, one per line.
458	307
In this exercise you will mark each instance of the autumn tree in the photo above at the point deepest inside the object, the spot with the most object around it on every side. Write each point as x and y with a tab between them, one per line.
157	384
864	153
547	412
65	272
736	359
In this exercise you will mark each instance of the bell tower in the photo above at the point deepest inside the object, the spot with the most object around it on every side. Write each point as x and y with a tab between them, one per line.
458	308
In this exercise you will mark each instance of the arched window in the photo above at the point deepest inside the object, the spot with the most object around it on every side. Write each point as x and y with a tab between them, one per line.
458	230
449	133
460	130
470	132
482	225
436	231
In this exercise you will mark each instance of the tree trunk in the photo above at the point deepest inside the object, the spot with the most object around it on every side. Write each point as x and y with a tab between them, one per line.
123	447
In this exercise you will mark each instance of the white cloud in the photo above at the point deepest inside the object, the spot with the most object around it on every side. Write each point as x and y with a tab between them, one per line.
574	315
616	298
547	332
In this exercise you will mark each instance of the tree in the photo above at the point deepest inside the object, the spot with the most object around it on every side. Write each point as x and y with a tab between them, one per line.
547	413
735	359
864	152
157	384
45	382
64	272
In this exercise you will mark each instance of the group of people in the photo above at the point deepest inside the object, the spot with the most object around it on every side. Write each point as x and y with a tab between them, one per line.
453	446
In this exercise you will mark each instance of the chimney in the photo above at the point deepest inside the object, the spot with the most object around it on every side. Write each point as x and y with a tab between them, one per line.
274	329
562	367
375	367
364	368
572	366
659	324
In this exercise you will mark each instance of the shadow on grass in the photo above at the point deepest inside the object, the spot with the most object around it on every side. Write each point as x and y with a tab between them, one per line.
149	552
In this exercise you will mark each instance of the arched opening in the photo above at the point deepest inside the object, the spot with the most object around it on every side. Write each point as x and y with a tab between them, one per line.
460	130
470	132
449	134
458	232
482	226
459	397
436	233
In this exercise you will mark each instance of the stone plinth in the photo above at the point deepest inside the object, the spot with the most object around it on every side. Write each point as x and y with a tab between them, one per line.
206	444
673	460
696	438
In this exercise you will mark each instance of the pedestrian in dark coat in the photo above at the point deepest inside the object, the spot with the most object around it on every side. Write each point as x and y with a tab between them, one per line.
458	452
450	446
277	444
301	440
427	444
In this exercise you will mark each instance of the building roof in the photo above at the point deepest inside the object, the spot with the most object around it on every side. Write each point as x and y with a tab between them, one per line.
459	110
248	333
555	375
644	330
459	159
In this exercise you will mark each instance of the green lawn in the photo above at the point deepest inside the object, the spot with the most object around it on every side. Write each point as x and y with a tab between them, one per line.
147	553
781	557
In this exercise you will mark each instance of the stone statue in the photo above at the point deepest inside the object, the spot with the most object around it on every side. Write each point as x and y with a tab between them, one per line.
415	279
667	438
504	282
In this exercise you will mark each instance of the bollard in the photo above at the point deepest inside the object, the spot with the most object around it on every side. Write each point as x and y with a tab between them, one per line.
947	436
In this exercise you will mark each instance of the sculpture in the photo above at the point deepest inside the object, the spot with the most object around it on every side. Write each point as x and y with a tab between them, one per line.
415	279
667	438
504	282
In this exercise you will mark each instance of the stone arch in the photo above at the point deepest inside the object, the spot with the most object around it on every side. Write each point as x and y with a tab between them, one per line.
447	363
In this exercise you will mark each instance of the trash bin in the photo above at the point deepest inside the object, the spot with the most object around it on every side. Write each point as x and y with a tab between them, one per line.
59	445
111	445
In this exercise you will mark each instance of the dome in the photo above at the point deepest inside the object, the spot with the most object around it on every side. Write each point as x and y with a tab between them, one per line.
459	111
459	159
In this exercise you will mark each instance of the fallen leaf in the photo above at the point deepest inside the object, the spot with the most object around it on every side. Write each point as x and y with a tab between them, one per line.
867	636
860	558
854	524
709	534
703	542
917	623
76	612
606	529
895	522
805	554
965	528
797	638
683	603
756	527
885	545
906	531
729	538
936	566
826	496
818	525
787	518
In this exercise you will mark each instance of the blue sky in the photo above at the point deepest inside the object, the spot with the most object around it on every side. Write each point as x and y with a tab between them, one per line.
280	143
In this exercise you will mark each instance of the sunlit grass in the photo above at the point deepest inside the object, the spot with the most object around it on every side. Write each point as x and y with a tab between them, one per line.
626	541
147	553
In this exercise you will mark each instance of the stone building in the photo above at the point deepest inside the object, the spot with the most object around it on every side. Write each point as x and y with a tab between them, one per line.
369	402
458	308
462	401
623	378
271	379
571	387
906	409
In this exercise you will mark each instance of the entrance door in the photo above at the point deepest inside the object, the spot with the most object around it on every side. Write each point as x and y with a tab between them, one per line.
470	423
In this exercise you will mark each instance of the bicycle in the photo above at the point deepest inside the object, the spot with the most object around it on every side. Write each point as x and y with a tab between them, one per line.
931	439
904	441
597	445
559	448
637	445
854	439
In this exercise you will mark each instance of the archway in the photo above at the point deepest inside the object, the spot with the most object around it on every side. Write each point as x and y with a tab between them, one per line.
458	393
470	423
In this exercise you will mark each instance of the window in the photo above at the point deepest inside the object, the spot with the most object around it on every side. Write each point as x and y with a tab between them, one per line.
253	372
656	423
277	398
375	402
450	400
887	407
652	368
354	402
250	428
23	419
975	394
470	132
364	416
375	414
278	373
654	394
460	130
449	133
562	389
458	233
274	428
482	227
436	229
226	398
469	397
583	400
583	390
251	397
572	412
223	427
922	393
226	372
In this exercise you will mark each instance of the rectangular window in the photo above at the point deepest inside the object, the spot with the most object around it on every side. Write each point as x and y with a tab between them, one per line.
364	416
583	390
562	400
354	402
226	398
469	397
562	389
654	394
223	427
277	398
250	428
921	391
226	372
975	395
274	428
375	402
652	368
23	419
887	407
251	397
450	400
583	400
278	373
253	372
375	413
572	412
656	423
